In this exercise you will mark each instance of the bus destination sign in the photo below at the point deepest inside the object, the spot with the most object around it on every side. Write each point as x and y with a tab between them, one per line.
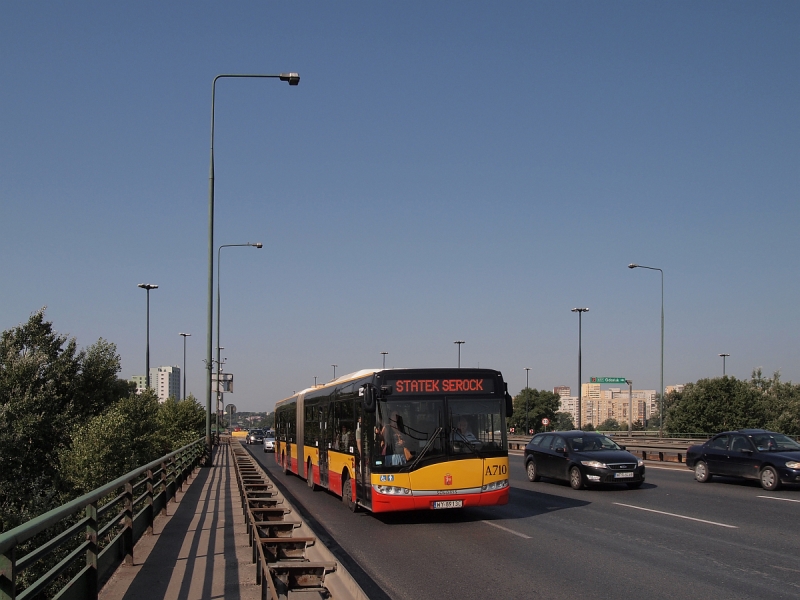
443	386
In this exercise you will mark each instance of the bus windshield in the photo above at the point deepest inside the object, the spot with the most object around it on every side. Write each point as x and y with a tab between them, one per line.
476	426
403	428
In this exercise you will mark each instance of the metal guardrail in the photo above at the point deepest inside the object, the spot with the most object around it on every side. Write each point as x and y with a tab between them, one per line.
97	542
648	448
279	556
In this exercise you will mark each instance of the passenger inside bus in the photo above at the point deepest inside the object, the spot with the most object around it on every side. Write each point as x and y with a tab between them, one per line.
464	432
344	440
464	440
392	440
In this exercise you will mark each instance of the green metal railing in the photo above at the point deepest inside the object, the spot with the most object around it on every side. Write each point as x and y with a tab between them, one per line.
82	542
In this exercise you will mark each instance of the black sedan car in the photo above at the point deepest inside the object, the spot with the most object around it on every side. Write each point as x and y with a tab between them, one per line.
582	458
770	457
256	436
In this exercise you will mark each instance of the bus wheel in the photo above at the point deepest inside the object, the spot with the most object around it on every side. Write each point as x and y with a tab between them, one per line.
310	477
347	494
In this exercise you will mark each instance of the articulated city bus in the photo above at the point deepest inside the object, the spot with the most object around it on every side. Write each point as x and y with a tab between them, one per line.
400	439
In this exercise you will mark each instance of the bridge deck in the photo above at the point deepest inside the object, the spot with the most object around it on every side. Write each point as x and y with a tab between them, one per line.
199	551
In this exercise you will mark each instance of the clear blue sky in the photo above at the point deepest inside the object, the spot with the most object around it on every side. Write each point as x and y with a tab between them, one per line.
444	171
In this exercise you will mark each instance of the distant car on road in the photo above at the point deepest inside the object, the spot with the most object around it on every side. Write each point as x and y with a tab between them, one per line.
269	442
582	458
256	436
771	458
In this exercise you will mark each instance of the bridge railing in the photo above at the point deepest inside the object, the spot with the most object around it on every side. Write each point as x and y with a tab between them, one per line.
78	545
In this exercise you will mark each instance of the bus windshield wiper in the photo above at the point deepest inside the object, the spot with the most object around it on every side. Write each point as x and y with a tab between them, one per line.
423	451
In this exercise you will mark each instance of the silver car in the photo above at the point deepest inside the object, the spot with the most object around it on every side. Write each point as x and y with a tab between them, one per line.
269	442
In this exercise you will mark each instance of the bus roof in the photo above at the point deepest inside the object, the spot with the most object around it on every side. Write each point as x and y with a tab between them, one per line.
360	374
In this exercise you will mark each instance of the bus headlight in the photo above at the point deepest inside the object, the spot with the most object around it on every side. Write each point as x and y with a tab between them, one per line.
391	490
495	485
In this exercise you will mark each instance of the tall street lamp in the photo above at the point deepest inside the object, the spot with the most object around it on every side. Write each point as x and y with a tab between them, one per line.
185	335
459	342
724	356
630	406
334	371
580	312
292	79
384	358
527	387
148	287
661	403
219	279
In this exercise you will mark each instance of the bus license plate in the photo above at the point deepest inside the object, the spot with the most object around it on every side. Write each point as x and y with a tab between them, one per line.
448	504
621	475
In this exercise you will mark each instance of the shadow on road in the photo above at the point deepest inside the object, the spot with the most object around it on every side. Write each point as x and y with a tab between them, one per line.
522	504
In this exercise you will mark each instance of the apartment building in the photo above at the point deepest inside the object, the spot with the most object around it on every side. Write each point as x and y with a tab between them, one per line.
140	381
166	382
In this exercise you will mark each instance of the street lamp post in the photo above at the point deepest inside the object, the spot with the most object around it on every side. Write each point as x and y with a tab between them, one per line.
334	371
661	403
580	312
185	335
384	358
148	287
527	387
292	79
630	406
459	342
724	356
219	309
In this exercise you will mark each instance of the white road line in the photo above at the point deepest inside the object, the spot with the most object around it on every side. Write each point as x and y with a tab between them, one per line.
777	498
661	512
522	535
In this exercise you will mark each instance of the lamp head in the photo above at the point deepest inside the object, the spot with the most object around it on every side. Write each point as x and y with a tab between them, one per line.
632	266
148	286
292	78
258	245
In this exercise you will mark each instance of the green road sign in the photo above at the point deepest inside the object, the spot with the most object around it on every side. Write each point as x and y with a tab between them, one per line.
608	380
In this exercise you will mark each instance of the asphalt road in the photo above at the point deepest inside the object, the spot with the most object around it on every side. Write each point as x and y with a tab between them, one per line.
672	538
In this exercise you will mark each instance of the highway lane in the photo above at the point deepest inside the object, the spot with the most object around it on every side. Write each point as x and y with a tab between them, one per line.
723	539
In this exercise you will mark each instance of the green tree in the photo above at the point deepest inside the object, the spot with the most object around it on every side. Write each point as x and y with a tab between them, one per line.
180	422
610	424
718	404
109	445
541	404
47	388
563	422
781	402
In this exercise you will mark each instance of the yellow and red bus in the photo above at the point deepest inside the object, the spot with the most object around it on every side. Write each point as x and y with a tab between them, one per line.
400	439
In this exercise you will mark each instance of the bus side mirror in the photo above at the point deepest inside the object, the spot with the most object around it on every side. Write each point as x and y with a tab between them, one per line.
509	406
368	399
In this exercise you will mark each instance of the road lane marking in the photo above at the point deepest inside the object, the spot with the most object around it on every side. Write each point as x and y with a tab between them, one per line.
522	535
661	512
777	498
